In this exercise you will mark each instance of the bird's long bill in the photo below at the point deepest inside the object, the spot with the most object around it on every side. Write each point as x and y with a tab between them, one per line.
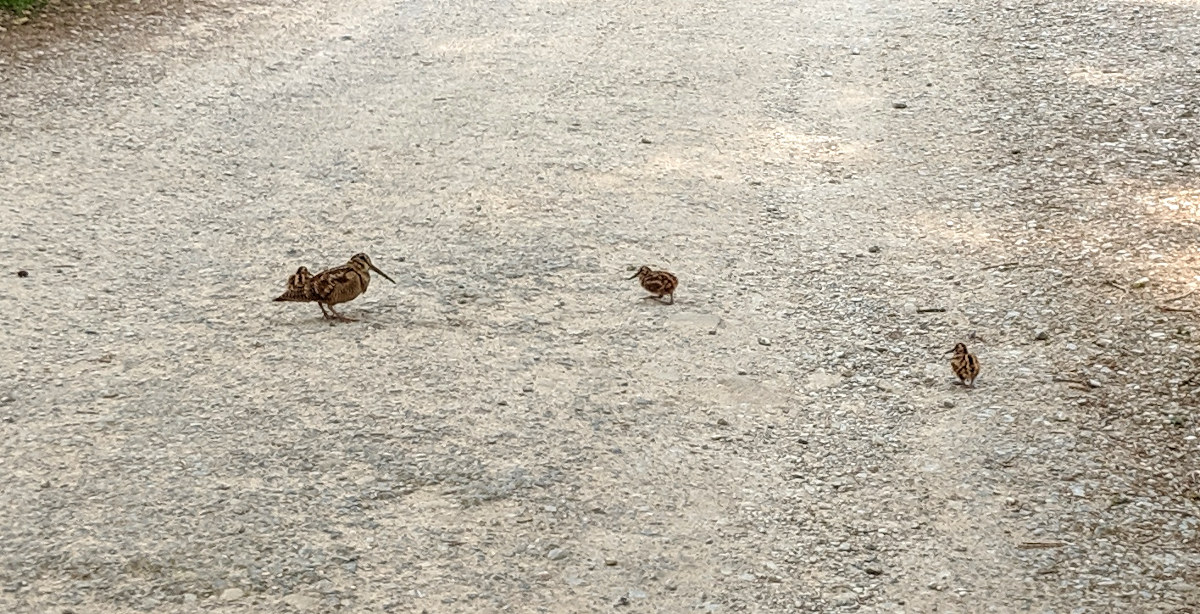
385	276
636	274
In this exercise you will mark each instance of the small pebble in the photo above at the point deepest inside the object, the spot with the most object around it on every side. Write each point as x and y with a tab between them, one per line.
556	554
22	273
1140	282
899	104
1094	383
874	249
610	562
764	341
232	594
843	599
1042	335
948	404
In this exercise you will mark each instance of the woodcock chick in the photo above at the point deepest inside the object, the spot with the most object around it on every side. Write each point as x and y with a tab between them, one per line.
964	365
658	283
331	287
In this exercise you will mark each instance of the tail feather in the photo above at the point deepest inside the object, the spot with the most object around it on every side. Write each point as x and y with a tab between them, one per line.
294	296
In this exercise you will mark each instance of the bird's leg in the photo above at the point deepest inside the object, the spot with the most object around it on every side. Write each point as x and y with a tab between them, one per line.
672	301
339	316
323	312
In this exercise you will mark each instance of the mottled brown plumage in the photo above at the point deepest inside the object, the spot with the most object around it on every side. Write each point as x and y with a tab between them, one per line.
298	283
331	287
658	283
964	365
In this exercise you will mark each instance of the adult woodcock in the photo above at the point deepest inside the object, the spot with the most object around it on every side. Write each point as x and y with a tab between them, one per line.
330	287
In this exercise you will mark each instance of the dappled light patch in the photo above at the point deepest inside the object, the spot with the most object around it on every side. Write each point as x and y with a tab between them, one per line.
1182	204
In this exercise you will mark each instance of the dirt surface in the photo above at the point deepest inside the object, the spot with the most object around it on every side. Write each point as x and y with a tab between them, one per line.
845	190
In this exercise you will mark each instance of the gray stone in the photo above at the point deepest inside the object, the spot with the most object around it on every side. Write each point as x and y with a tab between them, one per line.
843	599
899	104
232	594
301	601
820	379
556	554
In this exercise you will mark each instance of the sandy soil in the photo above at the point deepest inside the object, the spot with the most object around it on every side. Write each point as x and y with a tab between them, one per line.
509	428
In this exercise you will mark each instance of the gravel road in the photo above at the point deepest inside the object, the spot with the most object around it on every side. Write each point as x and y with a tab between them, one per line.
844	188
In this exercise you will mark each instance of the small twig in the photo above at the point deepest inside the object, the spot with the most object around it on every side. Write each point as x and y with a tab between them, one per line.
1065	380
1185	295
1175	309
1002	265
931	310
1180	511
1032	545
1117	286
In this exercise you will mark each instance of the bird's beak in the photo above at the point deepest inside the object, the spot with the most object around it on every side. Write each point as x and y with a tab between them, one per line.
636	274
948	352
385	276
